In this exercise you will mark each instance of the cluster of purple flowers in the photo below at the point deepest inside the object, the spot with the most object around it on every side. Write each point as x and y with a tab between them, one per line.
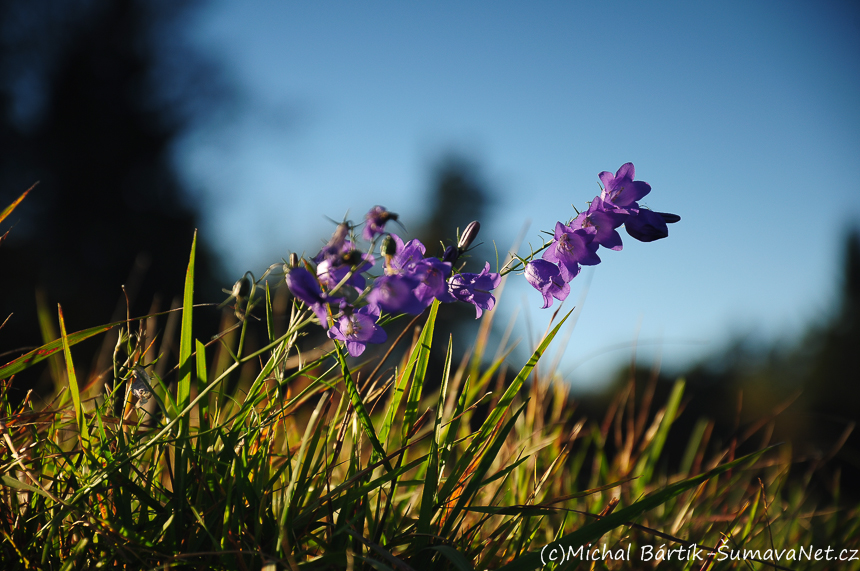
575	244
335	288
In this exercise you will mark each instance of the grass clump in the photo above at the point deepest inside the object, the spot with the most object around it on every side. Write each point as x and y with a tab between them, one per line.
270	457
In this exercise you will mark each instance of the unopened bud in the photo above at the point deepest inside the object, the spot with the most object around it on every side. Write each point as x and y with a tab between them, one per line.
241	288
389	246
294	260
669	218
468	236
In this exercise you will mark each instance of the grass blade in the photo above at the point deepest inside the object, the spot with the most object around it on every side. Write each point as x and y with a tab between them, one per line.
592	531
8	210
80	418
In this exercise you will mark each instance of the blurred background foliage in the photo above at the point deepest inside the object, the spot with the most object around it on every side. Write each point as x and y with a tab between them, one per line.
93	96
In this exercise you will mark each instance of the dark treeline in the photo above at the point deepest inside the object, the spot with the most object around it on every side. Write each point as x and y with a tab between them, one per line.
93	96
810	390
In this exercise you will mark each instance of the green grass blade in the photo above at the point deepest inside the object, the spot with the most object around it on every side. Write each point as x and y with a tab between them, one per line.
358	406
8	210
497	413
183	391
80	418
200	352
646	465
36	355
425	340
431	476
592	531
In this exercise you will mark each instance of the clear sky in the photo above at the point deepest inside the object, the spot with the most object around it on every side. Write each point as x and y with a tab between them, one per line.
742	115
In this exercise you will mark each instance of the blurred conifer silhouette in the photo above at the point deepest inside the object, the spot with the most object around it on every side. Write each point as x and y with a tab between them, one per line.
93	95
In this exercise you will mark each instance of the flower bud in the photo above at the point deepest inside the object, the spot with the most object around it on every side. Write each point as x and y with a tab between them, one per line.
241	288
451	254
388	247
294	260
468	236
669	218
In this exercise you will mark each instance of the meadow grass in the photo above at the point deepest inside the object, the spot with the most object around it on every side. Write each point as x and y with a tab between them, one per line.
262	456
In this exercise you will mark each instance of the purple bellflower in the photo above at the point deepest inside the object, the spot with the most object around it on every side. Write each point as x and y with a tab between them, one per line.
405	256
330	274
647	225
305	287
604	220
546	278
395	294
571	248
620	189
375	222
432	275
356	328
476	288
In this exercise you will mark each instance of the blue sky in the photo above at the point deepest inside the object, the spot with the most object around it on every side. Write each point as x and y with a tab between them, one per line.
741	115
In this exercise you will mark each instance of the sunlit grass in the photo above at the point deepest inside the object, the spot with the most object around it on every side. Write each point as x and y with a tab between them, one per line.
316	461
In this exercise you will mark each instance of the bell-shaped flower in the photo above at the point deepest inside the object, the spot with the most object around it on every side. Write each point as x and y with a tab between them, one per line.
546	278
330	274
571	248
603	220
647	225
620	189
431	275
395	294
305	287
356	328
476	288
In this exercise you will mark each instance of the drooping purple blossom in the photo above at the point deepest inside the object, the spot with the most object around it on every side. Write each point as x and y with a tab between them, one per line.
405	255
356	328
305	287
620	189
571	248
476	288
647	226
375	222
603	220
331	274
395	294
546	278
432	276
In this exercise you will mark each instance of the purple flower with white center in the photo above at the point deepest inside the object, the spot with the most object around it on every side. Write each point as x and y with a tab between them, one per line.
620	189
375	222
603	220
648	225
356	328
546	278
571	248
432	275
476	288
330	275
395	294
305	287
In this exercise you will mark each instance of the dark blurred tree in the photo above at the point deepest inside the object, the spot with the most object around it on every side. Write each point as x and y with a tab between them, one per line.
813	385
93	96
458	196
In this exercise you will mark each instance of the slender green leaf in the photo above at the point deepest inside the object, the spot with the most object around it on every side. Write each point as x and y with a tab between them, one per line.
80	418
183	391
358	406
592	531
8	210
425	340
